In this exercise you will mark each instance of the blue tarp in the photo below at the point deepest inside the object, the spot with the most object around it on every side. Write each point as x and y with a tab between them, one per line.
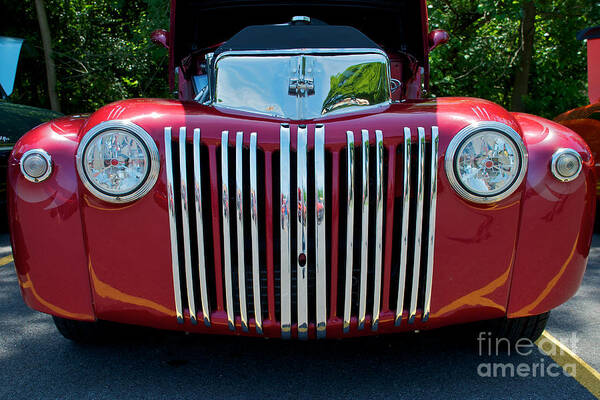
9	58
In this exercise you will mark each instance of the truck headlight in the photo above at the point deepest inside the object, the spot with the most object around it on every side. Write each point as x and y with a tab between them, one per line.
486	162
118	161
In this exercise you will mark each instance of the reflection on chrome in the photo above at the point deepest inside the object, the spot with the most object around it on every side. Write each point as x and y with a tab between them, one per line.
254	232
239	205
419	226
364	250
435	139
226	236
349	233
285	234
200	229
185	217
404	237
301	86
358	85
320	237
378	227
302	233
173	226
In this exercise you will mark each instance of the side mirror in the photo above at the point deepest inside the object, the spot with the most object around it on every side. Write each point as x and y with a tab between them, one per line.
160	37
438	37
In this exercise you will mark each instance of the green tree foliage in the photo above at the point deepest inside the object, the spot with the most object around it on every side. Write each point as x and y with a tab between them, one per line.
101	49
483	53
103	53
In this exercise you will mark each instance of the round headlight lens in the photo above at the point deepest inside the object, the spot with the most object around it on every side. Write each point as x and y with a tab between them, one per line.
118	161
486	162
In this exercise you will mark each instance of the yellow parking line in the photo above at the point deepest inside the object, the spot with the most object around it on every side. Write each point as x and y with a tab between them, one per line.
6	260
583	373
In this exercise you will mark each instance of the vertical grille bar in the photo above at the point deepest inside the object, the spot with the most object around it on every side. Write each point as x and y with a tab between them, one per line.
432	211
200	230
404	237
173	226
378	227
364	251
302	233
418	226
185	218
239	202
349	232
226	234
320	232
254	233
284	220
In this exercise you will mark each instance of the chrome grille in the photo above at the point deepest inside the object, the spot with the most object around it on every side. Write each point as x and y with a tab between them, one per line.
304	280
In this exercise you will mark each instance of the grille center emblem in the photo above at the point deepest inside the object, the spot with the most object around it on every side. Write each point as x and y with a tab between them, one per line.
301	86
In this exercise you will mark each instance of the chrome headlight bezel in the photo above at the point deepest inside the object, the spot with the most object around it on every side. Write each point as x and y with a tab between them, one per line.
153	157
456	144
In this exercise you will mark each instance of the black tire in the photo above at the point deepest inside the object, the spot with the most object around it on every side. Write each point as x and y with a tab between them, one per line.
81	331
514	329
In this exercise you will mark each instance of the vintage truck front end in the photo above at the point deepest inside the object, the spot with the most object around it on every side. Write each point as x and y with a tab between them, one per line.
294	197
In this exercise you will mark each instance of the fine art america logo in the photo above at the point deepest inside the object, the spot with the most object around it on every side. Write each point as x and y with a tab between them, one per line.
524	358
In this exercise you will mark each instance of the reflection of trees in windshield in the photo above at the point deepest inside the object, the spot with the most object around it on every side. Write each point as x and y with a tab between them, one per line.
359	85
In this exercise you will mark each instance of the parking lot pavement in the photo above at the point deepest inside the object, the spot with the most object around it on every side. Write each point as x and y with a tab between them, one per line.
37	363
579	316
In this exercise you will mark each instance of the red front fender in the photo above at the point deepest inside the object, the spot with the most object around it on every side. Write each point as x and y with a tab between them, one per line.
45	225
556	222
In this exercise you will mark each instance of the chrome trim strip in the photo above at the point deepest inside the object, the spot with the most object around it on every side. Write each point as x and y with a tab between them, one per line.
405	220
239	207
200	230
173	226
320	234
364	251
226	234
285	239
349	233
302	232
254	233
378	228
435	139
322	51
185	219
418	226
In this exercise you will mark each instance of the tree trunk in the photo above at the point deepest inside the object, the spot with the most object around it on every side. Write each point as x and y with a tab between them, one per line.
521	84
47	43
